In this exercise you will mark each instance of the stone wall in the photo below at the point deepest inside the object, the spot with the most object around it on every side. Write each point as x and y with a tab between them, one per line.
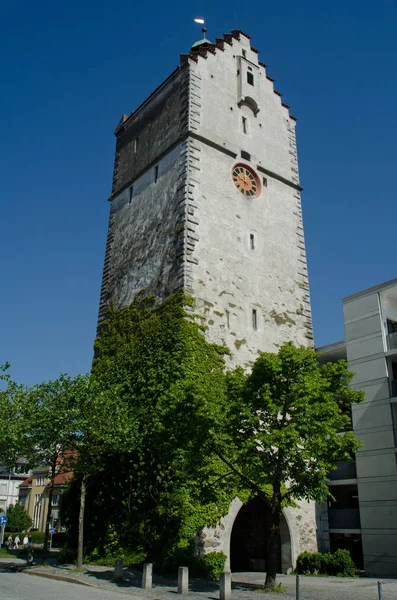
176	219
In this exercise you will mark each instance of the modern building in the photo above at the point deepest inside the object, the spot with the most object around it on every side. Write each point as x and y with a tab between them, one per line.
364	516
206	197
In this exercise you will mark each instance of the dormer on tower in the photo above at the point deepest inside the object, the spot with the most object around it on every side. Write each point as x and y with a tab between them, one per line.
247	83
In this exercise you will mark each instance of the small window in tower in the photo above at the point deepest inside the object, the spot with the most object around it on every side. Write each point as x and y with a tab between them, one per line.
227	313
252	241
244	121
136	141
244	53
245	155
250	78
156	173
254	318
130	194
264	180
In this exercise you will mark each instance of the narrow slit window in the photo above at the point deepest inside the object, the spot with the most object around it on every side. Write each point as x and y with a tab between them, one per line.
245	155
227	313
254	318
136	141
130	194
250	78
244	121
244	53
156	173
252	241
264	180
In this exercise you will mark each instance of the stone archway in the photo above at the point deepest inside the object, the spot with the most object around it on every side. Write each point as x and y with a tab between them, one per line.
245	525
297	533
249	537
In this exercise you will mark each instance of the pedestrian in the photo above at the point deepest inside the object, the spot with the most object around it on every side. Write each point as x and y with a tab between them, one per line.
10	542
25	542
30	542
17	541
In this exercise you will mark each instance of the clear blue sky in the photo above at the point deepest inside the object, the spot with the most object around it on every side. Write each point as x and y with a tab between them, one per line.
68	72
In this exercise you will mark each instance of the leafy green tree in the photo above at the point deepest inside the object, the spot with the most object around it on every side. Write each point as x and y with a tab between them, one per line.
286	425
18	518
42	424
66	424
105	426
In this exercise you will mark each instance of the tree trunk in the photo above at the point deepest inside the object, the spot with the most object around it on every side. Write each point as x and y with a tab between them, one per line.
80	542
48	517
273	547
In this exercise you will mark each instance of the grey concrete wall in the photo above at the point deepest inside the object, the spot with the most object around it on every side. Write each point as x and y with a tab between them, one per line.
372	422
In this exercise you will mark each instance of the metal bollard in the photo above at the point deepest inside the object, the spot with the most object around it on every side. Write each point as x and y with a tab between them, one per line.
225	588
380	592
183	580
297	588
147	576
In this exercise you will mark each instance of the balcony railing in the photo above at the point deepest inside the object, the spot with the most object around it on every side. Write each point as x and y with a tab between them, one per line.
344	470
393	388
344	518
392	341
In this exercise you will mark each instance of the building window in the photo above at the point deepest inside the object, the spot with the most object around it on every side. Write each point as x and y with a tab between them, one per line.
37	511
244	53
252	241
136	141
156	173
254	318
245	155
55	500
244	121
250	78
264	180
130	193
227	313
40	480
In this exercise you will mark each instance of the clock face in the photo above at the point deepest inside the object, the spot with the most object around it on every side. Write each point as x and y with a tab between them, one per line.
246	180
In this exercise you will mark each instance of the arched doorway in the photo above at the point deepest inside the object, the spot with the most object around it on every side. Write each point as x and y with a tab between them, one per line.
249	537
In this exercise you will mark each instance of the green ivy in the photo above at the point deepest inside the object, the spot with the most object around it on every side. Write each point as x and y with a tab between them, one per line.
152	501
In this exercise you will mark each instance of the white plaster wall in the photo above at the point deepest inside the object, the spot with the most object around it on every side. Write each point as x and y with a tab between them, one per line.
231	277
268	138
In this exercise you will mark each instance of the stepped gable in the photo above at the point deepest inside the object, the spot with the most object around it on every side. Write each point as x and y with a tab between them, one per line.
235	34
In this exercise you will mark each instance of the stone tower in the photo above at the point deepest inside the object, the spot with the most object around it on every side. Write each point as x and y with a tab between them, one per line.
206	197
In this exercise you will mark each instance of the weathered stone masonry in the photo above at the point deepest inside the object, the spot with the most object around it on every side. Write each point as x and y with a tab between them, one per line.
176	219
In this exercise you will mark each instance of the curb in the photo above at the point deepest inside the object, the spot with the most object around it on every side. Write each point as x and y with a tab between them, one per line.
58	577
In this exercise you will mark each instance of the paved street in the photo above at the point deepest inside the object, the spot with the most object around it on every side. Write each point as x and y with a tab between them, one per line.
18	586
99	585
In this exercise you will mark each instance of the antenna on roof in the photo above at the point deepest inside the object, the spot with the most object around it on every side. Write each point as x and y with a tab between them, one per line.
201	22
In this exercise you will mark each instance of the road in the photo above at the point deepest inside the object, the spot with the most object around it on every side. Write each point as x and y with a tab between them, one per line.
18	586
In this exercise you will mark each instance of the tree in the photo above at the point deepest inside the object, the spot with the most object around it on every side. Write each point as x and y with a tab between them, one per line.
18	518
286	425
42	424
105	426
64	424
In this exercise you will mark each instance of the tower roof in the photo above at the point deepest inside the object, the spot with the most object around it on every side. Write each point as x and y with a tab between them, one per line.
200	43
